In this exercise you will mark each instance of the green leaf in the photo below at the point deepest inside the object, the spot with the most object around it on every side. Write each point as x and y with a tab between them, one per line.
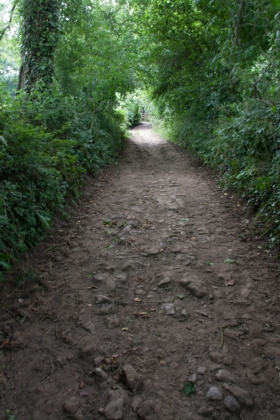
229	261
189	389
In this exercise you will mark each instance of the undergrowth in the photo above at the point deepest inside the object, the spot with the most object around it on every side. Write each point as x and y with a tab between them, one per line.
46	147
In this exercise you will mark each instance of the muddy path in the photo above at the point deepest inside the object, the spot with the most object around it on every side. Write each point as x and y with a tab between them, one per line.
148	304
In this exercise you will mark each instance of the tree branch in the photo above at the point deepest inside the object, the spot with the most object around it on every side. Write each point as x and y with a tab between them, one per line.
10	20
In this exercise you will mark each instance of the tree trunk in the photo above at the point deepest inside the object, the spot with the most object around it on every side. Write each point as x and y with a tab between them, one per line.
40	29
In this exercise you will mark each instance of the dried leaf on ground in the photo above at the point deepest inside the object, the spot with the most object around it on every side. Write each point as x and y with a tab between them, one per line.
229	282
142	314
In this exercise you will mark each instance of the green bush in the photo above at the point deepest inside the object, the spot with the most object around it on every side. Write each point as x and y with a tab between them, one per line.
46	146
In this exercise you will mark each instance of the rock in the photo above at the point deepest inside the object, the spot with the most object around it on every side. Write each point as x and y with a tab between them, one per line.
60	361
112	321
214	394
105	310
151	251
100	373
201	370
192	378
130	378
122	241
102	299
70	406
232	405
89	326
164	282
88	351
122	278
240	394
216	357
205	411
228	359
168	308
146	409
214	367
100	277
195	286
136	402
114	410
224	375
253	378
184	313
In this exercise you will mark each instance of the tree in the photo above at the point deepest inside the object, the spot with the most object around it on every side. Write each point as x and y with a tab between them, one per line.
40	29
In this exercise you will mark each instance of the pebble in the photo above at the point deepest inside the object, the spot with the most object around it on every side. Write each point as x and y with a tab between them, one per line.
70	406
168	308
102	299
114	410
193	378
242	396
130	378
205	411
122	241
105	310
100	373
164	282
100	277
194	285
88	351
216	357
136	402
232	405
214	394
112	321
201	370
146	409
224	375
228	359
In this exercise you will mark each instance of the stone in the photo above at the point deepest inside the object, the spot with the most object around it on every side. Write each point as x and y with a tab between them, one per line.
122	241
130	378
146	409
122	278
87	352
253	378
105	310
224	375
228	360
214	394
112	321
205	411
201	370
194	285
136	402
114	410
216	357
193	378
102	299
100	277
70	406
242	396
164	282
168	308
232	405
100	373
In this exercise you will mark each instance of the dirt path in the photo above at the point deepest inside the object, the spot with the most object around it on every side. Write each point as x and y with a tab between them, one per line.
155	308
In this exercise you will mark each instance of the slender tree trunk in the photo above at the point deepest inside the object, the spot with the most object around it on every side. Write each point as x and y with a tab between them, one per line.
40	29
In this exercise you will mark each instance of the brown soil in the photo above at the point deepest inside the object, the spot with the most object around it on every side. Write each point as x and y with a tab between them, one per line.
148	293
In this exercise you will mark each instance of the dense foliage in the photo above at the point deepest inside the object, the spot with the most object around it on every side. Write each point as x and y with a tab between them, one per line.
215	68
63	122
